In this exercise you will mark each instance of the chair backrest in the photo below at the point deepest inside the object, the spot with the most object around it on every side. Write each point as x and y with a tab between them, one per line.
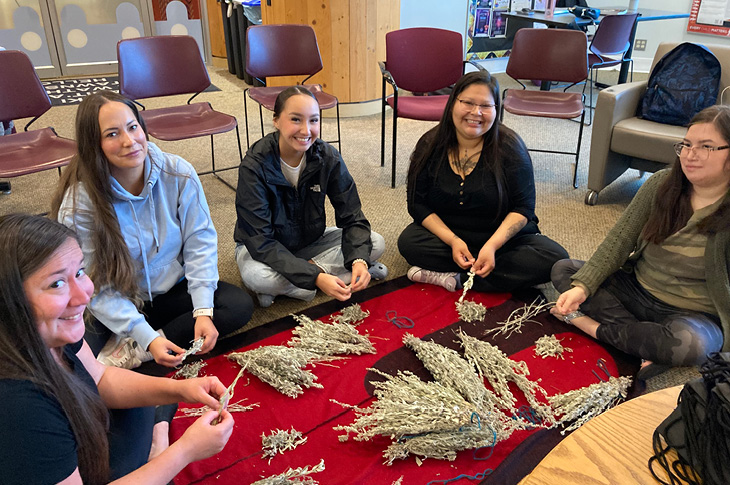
282	50
424	59
549	55
21	93
613	35
163	65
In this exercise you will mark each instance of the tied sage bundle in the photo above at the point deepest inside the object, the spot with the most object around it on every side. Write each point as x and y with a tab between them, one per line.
452	371
280	441
280	367
469	311
550	346
236	407
329	338
500	370
406	405
582	404
353	314
191	370
442	445
293	475
194	349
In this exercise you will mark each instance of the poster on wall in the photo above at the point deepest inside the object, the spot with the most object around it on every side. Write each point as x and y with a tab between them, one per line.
709	17
487	28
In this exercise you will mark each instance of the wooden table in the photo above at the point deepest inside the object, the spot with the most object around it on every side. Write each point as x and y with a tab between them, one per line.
613	448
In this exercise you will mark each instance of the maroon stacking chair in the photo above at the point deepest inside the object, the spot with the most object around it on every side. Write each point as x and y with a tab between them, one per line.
169	65
549	55
22	96
610	47
419	60
284	50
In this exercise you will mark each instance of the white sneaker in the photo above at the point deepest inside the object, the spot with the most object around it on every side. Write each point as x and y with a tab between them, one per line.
420	275
123	352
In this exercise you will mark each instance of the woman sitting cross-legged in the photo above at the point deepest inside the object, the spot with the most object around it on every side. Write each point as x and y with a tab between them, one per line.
148	240
283	244
471	194
657	287
56	396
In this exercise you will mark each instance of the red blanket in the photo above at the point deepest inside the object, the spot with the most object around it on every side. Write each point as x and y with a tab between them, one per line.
433	313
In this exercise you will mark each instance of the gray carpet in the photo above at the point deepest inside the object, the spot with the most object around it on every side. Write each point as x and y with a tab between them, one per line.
563	215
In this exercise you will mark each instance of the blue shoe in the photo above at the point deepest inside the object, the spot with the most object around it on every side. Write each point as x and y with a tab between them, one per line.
378	271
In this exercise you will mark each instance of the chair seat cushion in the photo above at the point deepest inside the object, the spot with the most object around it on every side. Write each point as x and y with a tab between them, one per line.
34	151
266	96
646	139
423	108
546	104
186	121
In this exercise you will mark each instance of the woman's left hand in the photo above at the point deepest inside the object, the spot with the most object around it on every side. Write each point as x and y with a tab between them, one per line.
205	390
360	277
204	327
485	261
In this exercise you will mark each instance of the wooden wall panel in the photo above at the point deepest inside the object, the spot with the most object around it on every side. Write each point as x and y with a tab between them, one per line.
351	38
215	27
340	51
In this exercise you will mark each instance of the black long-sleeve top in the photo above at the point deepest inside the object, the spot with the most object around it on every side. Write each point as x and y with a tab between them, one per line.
471	207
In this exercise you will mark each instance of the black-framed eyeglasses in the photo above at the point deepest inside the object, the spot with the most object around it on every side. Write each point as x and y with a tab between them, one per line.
469	106
702	152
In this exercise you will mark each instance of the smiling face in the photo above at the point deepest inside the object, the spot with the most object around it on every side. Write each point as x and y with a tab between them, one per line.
123	141
473	122
298	125
58	293
713	171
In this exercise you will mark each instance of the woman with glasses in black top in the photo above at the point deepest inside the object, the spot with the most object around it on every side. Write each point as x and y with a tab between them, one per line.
471	193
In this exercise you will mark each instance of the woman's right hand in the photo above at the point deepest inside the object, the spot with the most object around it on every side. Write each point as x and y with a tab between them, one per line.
570	300
160	349
204	439
333	286
460	253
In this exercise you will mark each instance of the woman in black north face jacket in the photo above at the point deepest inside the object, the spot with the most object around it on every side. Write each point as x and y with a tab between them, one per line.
283	244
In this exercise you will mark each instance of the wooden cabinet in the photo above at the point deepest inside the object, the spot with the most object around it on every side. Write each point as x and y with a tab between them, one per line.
351	37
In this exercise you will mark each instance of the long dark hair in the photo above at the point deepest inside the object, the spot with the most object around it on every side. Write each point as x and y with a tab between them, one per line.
672	204
442	140
26	244
113	266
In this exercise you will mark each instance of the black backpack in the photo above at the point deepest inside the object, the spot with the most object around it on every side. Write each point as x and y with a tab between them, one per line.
684	82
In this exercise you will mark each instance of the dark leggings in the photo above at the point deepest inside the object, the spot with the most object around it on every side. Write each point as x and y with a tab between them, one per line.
173	313
130	439
524	261
636	322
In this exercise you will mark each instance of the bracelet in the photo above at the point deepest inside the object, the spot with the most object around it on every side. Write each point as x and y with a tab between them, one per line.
360	260
570	316
203	312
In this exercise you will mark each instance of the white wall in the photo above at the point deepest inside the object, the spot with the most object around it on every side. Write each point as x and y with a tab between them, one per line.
657	31
441	14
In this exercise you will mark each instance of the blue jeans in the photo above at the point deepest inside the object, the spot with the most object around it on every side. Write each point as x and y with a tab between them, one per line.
326	252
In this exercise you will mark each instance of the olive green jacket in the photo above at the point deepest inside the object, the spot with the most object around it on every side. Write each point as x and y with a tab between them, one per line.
623	245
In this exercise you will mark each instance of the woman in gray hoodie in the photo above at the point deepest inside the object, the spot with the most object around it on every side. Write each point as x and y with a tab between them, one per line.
148	241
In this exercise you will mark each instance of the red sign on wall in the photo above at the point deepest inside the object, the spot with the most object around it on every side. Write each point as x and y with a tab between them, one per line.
709	17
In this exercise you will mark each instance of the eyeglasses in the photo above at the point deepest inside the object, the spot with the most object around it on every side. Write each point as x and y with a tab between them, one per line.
702	152
469	106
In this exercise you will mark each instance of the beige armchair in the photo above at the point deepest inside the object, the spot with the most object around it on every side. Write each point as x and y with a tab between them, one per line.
621	141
